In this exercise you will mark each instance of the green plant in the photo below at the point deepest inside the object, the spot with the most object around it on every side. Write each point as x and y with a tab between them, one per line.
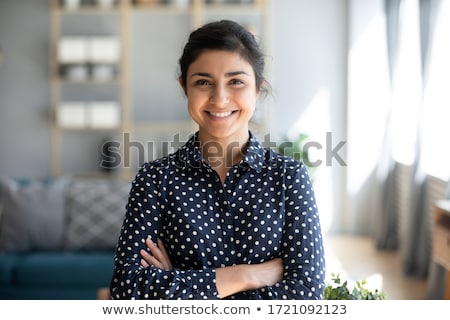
339	290
297	150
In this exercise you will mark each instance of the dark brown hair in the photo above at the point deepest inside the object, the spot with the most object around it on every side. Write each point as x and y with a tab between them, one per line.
223	35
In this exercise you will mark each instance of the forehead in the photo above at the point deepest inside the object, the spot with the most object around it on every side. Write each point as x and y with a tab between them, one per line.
219	60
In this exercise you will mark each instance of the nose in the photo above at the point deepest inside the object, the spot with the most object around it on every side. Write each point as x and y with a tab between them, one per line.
219	96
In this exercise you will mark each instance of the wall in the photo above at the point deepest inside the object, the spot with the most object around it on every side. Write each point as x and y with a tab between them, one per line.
24	88
309	71
368	105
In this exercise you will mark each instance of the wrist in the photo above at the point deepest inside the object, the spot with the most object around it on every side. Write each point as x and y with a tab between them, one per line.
233	279
246	275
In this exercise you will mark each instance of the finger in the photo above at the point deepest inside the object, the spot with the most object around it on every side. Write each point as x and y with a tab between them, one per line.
151	260
151	245
157	253
165	254
144	264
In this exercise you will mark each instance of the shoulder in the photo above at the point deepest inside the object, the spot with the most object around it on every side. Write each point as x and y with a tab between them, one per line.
294	171
157	168
281	161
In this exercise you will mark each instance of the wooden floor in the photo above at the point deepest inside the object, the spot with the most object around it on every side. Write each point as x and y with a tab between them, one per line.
356	258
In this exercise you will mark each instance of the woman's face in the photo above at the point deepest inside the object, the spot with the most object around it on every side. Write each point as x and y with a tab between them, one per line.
222	94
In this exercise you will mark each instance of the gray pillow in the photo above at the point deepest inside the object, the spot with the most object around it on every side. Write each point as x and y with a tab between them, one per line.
95	212
32	216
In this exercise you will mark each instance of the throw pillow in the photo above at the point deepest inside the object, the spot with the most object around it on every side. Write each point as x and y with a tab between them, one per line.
32	216
95	212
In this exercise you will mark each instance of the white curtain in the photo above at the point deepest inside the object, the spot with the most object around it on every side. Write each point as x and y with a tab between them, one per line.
409	90
416	130
385	215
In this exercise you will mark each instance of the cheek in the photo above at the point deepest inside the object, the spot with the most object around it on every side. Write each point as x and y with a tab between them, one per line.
194	100
248	98
194	103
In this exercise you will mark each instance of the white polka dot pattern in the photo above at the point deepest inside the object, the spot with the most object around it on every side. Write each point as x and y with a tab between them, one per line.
265	209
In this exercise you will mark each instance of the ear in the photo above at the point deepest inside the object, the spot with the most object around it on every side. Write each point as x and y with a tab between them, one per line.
180	81
262	88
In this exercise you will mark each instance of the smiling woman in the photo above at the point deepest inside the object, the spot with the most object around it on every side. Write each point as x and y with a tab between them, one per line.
222	217
222	101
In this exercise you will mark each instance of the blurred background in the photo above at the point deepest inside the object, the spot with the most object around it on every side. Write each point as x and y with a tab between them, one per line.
89	88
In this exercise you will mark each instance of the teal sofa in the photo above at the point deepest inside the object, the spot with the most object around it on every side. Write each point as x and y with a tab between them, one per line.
54	275
57	236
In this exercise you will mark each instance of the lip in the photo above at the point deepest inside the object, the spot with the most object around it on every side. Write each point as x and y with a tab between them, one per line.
220	114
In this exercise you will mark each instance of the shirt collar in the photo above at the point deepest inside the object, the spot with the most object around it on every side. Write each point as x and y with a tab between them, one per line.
189	155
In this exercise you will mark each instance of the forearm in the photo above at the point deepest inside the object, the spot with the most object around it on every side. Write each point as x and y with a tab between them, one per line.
238	278
135	282
294	285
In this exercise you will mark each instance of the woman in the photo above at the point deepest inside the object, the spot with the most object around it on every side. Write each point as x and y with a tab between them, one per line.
222	217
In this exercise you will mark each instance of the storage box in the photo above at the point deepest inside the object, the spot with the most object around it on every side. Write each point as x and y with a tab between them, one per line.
148	2
104	50
104	72
72	115
72	50
106	4
76	73
103	114
71	4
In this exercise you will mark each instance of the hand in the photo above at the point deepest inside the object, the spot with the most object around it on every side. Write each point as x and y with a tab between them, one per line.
158	258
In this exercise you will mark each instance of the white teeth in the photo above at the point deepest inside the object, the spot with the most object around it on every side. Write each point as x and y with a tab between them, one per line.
220	114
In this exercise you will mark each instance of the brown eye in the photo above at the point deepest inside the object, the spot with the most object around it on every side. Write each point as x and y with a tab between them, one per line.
202	82
236	82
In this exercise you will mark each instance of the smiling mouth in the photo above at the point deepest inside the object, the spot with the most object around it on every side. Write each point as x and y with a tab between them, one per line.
221	114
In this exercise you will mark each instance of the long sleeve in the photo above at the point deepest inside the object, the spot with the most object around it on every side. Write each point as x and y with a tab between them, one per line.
143	219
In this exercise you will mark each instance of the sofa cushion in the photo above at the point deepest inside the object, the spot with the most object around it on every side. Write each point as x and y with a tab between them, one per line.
94	213
64	269
32	215
8	262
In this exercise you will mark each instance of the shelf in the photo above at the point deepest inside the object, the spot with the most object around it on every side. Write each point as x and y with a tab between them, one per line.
441	238
162	8
91	7
89	83
240	9
107	175
84	129
164	126
441	235
94	10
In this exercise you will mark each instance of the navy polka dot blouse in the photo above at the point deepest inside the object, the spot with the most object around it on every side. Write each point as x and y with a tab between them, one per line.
264	209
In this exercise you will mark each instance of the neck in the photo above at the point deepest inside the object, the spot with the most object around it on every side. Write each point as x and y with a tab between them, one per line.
223	152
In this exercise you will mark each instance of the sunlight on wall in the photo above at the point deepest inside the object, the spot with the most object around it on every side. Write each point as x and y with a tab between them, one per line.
315	122
338	267
368	101
375	281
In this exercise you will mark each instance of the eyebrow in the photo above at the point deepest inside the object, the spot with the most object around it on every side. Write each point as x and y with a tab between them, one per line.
228	74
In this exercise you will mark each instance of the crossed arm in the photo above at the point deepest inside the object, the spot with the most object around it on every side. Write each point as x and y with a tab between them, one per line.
229	280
